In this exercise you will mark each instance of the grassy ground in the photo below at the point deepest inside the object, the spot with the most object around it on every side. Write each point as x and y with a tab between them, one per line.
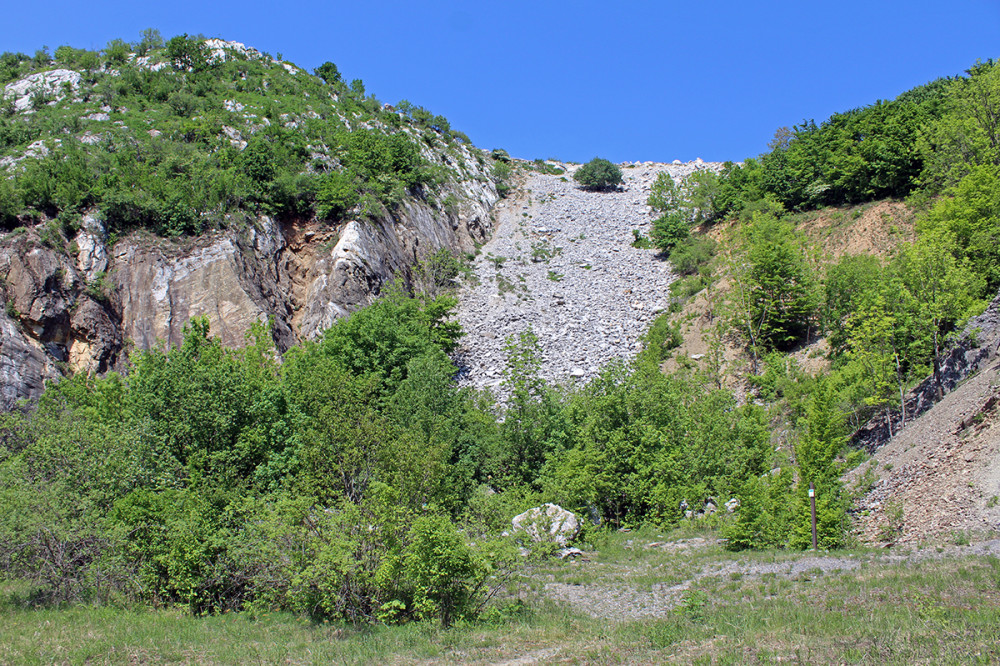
943	610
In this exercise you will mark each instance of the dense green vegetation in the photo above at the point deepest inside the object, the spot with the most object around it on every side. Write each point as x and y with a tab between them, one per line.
335	483
190	140
887	319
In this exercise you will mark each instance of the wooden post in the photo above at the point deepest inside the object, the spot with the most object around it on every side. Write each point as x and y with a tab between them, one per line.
812	505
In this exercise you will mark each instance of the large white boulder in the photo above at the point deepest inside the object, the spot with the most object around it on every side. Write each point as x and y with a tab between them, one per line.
549	522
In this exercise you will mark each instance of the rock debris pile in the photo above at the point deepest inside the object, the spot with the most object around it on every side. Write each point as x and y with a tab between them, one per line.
561	262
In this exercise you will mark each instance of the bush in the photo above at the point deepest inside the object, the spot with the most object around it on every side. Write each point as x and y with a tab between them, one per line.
762	518
598	174
502	172
445	573
692	253
669	230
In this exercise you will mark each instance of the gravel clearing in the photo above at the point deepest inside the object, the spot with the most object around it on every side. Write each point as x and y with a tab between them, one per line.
561	261
624	603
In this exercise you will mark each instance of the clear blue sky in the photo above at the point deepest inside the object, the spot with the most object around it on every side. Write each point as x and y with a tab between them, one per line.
628	80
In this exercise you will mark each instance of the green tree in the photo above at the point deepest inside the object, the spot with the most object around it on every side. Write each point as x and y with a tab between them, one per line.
970	213
149	40
775	293
967	132
328	72
599	174
696	199
187	53
815	453
531	428
872	344
944	289
379	341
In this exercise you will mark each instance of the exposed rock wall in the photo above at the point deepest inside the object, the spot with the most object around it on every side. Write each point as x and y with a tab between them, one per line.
84	308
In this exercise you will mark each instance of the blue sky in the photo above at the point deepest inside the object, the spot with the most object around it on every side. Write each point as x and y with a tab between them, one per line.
628	80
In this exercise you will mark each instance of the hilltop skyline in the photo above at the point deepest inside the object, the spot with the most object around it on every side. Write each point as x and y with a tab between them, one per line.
570	81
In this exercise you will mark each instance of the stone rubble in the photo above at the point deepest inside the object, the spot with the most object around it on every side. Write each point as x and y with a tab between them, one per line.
52	84
570	273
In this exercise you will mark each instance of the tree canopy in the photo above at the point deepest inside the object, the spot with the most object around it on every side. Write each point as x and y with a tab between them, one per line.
598	174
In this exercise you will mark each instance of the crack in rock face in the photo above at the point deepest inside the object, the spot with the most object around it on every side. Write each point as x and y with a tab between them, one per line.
561	262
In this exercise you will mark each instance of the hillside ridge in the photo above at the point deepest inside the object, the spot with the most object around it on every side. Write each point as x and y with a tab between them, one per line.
159	188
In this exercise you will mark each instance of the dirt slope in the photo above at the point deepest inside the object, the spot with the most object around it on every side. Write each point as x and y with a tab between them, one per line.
939	476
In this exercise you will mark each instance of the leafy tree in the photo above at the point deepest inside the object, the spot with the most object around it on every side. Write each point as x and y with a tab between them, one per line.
328	72
848	283
380	340
531	428
219	412
775	295
816	453
695	199
187	53
149	40
966	134
970	213
943	288
872	348
599	174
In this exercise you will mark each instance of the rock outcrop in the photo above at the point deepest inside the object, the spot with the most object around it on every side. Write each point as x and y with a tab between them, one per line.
41	88
85	305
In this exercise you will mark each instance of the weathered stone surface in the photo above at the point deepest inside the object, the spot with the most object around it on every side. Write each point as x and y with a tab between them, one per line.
548	523
85	309
160	292
53	318
24	368
51	84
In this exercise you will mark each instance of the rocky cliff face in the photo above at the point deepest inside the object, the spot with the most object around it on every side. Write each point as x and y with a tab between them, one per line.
84	307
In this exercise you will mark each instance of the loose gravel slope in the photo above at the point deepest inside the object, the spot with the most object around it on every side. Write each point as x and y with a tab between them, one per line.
561	261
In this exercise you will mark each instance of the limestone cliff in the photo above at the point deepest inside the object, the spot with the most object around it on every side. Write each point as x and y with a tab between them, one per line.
85	307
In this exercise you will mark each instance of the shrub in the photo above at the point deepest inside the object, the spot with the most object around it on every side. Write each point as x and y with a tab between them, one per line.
762	518
598	174
669	230
445	573
337	194
692	253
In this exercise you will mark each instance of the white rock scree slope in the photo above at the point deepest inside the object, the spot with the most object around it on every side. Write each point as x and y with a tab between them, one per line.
561	261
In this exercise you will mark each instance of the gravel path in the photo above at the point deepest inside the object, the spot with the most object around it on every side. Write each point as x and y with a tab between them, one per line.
623	603
561	262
